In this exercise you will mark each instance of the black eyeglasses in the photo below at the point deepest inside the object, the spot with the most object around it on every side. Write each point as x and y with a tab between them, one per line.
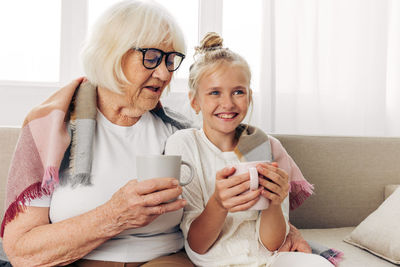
152	58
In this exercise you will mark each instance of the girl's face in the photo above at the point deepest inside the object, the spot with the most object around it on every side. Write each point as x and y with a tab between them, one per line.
223	98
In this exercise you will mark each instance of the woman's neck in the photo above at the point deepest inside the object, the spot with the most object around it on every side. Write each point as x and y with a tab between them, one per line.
112	105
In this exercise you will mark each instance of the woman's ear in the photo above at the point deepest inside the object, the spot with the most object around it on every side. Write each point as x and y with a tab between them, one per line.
194	103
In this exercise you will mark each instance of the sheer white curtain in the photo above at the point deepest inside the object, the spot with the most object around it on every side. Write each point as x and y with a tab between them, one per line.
335	67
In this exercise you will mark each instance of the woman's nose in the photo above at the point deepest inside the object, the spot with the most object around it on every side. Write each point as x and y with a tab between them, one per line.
161	72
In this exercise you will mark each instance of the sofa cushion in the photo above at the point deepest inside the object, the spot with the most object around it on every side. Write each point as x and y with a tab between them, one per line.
389	189
379	232
353	256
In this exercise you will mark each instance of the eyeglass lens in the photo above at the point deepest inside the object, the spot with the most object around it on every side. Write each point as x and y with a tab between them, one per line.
152	58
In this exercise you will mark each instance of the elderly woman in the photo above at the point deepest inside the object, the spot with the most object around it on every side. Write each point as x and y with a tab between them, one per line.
72	194
97	212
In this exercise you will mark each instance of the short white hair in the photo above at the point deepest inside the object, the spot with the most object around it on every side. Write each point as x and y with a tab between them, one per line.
125	25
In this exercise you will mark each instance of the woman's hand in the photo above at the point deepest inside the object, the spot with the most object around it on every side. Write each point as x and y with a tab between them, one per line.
229	191
295	242
275	182
139	203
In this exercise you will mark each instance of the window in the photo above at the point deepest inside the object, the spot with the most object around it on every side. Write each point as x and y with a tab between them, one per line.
30	47
241	30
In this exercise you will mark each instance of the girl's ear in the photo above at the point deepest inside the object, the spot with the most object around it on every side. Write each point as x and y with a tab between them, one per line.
193	102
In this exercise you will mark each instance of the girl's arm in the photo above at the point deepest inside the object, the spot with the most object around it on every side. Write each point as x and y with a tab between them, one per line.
227	197
272	222
31	240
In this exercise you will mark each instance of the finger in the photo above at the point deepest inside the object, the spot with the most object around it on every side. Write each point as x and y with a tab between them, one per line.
271	186
273	174
156	184
243	198
159	197
286	247
235	180
274	198
166	207
304	247
274	168
75	83
80	79
244	206
235	190
282	173
225	173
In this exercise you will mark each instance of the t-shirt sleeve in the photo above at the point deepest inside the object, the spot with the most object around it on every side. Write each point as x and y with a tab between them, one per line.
182	143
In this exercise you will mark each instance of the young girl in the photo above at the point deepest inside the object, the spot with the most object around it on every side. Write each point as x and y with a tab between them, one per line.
218	226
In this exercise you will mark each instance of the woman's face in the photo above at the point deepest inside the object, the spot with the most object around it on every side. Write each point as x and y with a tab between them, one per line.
146	85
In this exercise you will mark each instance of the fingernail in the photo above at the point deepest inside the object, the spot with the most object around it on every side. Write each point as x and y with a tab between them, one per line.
175	182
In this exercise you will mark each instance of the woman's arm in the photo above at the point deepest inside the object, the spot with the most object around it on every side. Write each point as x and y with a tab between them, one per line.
227	197
30	240
272	223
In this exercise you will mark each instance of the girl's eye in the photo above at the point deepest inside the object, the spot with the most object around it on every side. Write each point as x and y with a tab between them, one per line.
238	92
214	93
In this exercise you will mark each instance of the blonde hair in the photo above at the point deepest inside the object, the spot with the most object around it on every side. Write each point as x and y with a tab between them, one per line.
209	56
125	25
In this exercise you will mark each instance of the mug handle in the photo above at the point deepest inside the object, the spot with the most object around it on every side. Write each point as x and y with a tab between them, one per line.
191	173
253	178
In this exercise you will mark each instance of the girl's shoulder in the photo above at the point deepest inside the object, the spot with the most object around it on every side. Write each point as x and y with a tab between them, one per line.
184	135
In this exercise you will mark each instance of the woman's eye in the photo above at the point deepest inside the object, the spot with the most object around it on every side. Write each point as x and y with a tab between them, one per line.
151	60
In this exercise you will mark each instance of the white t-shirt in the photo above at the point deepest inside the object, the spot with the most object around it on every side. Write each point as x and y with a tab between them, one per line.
114	152
239	242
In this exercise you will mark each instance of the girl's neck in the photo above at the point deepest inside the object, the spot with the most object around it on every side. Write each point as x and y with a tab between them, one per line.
225	142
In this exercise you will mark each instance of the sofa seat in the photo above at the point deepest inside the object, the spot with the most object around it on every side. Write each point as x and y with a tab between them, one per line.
353	256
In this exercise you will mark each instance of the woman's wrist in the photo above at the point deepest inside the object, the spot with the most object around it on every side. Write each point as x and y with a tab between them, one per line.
108	217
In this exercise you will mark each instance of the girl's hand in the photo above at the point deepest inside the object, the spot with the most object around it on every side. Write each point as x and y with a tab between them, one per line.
229	191
275	182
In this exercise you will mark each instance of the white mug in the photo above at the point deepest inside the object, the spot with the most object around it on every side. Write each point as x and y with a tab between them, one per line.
157	166
243	167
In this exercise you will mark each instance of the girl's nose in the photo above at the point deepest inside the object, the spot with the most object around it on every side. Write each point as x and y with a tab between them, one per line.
227	101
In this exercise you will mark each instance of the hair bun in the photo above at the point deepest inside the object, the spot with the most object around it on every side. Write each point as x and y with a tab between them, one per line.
211	41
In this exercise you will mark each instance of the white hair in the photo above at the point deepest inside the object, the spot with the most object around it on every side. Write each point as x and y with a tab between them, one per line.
125	25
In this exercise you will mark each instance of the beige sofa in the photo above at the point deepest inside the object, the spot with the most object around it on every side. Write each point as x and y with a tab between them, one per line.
349	175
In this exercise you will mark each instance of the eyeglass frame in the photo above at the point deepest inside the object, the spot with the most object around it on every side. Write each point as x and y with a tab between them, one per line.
166	54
